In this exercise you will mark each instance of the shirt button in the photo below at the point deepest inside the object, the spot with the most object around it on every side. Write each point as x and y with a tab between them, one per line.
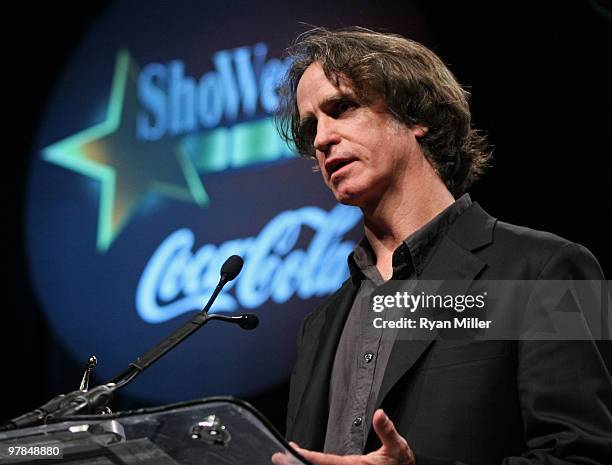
357	421
368	356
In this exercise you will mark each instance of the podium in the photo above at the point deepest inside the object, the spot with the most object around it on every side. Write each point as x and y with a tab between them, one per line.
211	431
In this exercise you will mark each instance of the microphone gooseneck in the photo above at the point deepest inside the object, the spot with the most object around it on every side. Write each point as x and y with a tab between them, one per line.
229	271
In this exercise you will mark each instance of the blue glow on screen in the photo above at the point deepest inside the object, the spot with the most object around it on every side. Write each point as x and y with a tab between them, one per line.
199	174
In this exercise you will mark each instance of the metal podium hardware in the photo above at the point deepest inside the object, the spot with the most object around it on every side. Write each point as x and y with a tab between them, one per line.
112	430
91	363
212	431
188	433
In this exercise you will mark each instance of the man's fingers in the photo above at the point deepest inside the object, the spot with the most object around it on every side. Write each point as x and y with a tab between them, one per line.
393	443
385	429
285	458
318	458
280	458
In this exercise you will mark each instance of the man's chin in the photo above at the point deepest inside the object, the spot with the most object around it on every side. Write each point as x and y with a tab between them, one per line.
352	198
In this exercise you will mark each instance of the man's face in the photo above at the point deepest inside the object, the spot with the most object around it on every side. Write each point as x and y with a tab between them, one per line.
363	152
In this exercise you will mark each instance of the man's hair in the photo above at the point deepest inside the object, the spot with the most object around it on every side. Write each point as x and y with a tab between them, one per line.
415	85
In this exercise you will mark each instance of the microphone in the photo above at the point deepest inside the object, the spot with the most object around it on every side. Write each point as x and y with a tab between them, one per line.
246	321
231	268
249	321
229	271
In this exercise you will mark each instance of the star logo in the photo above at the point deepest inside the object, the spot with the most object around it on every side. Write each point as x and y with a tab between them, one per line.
128	169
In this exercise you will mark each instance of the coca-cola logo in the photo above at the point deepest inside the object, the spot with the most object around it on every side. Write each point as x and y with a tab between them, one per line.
177	278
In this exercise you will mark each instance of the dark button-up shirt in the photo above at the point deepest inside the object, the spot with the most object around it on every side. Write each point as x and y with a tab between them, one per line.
362	353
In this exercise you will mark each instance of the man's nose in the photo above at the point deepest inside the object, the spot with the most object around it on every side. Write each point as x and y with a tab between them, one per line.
327	134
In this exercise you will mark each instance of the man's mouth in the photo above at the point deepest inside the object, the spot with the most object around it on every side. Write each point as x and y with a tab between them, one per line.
334	166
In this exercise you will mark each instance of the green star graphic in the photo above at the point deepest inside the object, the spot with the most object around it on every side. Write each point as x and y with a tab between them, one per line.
127	168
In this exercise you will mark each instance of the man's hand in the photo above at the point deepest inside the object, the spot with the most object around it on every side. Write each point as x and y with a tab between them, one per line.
394	449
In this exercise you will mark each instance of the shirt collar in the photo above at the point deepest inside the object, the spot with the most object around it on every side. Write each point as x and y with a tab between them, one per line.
414	252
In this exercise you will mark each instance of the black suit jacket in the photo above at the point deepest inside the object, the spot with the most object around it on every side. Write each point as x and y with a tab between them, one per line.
478	403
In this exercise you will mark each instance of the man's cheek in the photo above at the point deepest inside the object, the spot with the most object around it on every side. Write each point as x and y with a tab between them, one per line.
325	179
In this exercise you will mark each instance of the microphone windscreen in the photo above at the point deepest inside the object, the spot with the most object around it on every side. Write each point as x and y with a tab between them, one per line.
249	321
231	267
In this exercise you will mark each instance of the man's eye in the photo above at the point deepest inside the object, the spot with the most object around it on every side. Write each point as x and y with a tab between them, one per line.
343	106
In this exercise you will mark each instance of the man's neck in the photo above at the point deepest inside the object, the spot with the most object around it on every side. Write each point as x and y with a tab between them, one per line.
403	212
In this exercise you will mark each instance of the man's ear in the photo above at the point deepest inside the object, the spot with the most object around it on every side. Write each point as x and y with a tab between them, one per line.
419	130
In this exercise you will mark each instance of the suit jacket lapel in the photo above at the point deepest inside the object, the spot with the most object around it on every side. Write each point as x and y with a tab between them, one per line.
324	334
454	262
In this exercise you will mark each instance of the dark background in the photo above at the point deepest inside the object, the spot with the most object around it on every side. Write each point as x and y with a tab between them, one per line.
539	73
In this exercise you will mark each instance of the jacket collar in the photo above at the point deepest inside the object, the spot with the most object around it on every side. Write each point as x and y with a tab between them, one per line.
453	262
474	229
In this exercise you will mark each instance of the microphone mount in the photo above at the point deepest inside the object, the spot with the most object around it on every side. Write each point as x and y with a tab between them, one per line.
97	399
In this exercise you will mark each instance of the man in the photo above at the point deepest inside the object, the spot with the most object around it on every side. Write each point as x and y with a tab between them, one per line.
389	127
